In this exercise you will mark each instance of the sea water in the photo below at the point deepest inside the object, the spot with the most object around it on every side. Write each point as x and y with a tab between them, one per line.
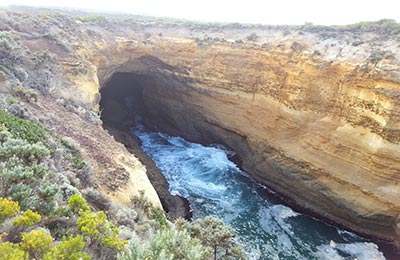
266	227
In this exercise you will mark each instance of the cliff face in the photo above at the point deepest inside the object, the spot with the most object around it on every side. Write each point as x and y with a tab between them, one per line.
323	134
314	117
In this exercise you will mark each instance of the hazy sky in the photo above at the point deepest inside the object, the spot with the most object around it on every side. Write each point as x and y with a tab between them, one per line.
244	11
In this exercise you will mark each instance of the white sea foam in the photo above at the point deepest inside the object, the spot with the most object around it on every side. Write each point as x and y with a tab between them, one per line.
347	251
286	212
362	250
326	252
346	233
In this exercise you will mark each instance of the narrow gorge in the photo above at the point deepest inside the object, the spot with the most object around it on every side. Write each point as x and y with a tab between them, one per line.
312	112
325	137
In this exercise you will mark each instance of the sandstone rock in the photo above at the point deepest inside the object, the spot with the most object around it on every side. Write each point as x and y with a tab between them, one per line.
323	136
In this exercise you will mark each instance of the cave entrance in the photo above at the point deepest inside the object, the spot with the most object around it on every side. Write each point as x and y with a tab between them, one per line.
140	87
163	103
122	99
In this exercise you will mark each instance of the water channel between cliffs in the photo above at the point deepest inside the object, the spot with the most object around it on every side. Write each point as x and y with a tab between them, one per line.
269	230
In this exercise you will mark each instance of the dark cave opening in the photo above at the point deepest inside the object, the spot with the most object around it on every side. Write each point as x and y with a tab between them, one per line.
122	101
157	99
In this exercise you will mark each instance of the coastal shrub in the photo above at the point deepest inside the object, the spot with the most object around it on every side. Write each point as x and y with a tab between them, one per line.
158	215
168	244
91	230
13	59
92	19
70	248
36	243
8	208
26	94
26	152
77	203
79	163
27	219
8	49
126	216
383	25
94	226
24	174
41	57
85	176
11	251
59	38
141	202
97	199
23	129
11	101
213	233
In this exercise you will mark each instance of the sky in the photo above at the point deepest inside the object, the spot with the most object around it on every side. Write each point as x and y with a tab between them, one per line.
244	11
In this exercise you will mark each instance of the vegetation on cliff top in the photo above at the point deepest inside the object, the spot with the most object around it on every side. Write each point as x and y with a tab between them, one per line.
28	235
44	216
38	221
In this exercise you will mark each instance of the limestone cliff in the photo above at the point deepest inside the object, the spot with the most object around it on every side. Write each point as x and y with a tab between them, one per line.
313	112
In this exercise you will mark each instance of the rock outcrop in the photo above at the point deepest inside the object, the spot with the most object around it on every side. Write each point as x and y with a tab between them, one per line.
313	113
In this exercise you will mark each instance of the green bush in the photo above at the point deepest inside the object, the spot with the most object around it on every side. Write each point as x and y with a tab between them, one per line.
36	243
94	226
8	48
166	244
25	152
77	203
79	163
158	215
41	57
384	25
92	19
10	251
69	249
8	208
24	129
18	151
24	174
212	232
91	228
141	201
27	219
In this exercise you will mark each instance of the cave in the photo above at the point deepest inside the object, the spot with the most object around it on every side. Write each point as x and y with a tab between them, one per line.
122	99
128	95
148	88
161	103
122	103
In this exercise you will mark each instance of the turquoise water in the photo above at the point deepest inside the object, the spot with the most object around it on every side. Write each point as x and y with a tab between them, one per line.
267	228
